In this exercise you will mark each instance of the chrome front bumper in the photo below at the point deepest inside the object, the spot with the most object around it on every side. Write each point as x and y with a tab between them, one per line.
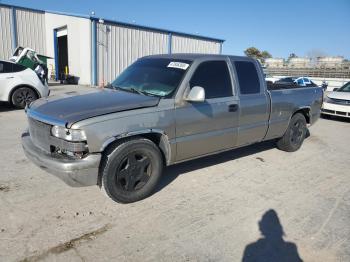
74	172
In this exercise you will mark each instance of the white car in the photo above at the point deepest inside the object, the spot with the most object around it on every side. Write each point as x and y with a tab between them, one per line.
20	85
271	79
337	103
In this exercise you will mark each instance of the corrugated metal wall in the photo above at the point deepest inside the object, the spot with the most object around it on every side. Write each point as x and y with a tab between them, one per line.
5	33
31	30
124	45
185	44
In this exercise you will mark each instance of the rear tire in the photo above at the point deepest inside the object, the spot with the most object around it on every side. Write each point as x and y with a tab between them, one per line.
23	96
131	170
294	136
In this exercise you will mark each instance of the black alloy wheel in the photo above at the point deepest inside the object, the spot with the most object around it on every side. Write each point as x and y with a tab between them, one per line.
130	169
295	134
134	171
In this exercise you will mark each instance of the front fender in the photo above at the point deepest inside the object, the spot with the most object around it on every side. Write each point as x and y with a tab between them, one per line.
159	137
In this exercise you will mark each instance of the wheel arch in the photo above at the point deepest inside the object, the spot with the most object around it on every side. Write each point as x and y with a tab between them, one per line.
19	86
305	111
158	137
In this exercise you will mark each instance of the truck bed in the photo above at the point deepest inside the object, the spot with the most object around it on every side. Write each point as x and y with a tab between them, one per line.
287	100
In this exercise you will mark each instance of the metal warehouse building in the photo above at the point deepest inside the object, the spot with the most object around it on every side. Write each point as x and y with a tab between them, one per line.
95	50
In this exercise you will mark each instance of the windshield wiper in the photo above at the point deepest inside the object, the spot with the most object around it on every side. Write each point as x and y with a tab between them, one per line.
137	91
144	93
109	85
130	90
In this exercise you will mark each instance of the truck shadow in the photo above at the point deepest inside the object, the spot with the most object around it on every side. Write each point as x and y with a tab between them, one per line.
172	172
271	246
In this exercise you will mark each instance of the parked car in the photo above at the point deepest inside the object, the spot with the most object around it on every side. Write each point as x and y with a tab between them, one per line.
162	110
20	85
300	81
337	103
290	82
271	79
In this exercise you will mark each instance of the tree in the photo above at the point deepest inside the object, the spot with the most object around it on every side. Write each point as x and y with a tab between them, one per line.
257	54
265	54
253	52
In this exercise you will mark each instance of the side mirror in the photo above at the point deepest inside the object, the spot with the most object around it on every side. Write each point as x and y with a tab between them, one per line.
197	94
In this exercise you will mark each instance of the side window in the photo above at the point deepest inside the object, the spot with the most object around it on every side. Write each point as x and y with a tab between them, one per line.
247	77
214	77
306	80
5	67
300	82
17	68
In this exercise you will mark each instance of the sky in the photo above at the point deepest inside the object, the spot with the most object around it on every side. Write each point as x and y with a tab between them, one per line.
303	27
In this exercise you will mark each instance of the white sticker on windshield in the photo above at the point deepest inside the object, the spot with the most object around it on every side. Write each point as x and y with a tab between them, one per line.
179	65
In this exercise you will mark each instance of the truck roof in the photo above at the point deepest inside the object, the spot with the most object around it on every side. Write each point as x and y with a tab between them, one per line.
193	57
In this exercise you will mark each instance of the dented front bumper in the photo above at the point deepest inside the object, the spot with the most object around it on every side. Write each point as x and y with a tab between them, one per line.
74	172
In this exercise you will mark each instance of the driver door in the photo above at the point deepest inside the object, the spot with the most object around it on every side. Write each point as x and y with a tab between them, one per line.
212	125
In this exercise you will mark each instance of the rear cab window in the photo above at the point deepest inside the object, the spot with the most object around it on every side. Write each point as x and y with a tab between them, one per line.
248	77
214	77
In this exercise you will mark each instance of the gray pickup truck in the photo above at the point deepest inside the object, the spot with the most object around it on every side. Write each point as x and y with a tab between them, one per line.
162	110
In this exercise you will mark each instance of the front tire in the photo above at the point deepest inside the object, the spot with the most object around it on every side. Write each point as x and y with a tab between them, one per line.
131	170
294	136
23	96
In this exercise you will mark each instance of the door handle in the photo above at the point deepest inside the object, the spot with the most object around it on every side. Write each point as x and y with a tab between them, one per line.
9	77
233	108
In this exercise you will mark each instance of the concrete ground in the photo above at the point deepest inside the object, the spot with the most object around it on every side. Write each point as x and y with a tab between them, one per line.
209	209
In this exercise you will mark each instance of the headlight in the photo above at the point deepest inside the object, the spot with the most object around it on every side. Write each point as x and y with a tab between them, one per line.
74	135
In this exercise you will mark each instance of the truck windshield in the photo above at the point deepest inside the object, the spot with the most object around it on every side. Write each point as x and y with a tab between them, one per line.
152	76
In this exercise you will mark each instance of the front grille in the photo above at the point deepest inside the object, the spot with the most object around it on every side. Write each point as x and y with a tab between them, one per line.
333	112
40	134
328	111
341	113
67	145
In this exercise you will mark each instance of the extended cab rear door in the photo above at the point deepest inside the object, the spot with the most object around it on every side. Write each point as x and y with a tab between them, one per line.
208	126
254	105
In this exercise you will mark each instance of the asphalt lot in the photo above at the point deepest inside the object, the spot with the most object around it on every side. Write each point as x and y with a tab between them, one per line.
204	210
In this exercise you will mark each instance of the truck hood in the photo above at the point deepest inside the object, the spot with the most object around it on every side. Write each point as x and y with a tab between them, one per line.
339	95
72	107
